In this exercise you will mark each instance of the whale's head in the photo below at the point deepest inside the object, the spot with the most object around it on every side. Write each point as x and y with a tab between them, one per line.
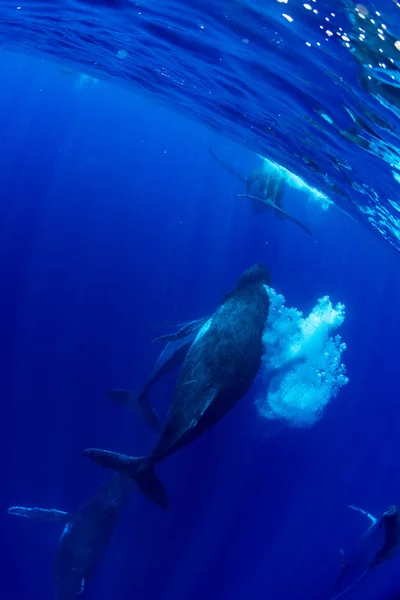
257	274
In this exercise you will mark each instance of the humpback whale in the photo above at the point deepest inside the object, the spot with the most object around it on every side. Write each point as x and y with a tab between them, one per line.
85	536
380	542
219	368
172	356
271	187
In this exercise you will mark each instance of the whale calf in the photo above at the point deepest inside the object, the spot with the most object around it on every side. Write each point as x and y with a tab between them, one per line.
219	368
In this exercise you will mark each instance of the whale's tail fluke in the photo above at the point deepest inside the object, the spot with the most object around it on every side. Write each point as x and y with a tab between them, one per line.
139	468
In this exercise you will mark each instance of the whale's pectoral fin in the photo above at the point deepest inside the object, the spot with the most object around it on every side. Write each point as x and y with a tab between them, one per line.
364	512
280	211
343	559
50	515
347	588
82	586
140	404
375	525
183	332
203	406
168	337
227	167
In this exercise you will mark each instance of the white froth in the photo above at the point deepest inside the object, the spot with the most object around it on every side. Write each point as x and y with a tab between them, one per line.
302	361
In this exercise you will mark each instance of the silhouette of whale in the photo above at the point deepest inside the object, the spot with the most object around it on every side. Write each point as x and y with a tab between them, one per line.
219	368
85	536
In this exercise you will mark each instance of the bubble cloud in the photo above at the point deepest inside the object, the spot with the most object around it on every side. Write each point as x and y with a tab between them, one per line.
302	366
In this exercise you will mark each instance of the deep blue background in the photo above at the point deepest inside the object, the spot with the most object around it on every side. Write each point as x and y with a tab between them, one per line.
114	218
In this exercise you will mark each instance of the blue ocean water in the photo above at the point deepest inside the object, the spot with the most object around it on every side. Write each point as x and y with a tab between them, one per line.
115	218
